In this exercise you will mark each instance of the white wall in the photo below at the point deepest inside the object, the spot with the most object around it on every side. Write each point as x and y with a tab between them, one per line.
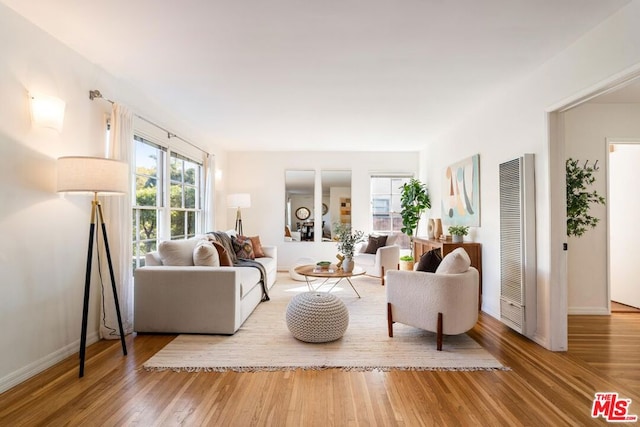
44	236
515	122
586	129
262	175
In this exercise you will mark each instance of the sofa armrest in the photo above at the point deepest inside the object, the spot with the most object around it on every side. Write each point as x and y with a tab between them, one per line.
187	299
388	257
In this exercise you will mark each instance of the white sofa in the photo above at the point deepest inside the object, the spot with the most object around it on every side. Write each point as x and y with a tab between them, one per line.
196	299
385	259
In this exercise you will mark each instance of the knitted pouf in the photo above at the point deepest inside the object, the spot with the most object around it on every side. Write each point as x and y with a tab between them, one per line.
317	317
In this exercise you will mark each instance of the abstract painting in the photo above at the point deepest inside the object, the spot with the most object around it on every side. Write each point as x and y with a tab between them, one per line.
461	193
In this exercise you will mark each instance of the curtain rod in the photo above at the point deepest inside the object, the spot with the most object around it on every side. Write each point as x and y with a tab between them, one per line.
93	94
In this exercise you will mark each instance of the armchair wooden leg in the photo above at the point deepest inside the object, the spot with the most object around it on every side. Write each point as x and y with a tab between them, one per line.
382	278
439	333
389	320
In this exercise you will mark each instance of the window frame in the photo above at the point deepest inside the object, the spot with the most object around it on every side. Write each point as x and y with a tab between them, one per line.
392	215
197	186
163	206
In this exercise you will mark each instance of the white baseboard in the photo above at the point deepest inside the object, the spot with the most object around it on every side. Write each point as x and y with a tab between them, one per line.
589	311
34	368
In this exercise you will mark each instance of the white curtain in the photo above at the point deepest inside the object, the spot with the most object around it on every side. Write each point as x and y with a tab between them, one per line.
209	192
118	211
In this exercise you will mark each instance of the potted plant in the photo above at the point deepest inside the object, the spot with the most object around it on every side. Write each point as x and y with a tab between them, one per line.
458	232
406	262
347	240
414	200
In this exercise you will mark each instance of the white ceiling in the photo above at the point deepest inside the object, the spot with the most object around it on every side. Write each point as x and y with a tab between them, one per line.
317	75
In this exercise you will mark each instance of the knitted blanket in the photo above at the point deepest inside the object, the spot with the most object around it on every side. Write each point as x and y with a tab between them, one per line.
226	241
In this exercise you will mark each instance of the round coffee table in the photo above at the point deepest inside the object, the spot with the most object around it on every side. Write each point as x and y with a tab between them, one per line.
333	272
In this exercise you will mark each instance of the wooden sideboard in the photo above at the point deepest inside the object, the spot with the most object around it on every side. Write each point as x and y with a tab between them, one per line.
422	245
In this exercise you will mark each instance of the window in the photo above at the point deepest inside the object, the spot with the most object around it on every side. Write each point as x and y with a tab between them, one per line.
385	202
163	208
148	160
185	196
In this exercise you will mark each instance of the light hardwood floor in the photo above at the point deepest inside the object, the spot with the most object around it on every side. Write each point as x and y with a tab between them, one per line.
542	389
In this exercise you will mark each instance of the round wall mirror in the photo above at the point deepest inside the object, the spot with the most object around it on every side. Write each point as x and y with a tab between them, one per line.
303	213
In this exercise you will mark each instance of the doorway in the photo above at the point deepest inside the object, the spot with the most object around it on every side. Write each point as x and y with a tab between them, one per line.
624	229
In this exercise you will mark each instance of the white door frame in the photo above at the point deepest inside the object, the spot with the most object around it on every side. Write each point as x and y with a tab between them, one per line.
558	284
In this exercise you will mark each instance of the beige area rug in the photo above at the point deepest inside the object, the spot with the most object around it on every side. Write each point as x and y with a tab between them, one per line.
264	342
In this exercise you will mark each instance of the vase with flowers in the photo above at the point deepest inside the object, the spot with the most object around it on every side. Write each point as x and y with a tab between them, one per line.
347	240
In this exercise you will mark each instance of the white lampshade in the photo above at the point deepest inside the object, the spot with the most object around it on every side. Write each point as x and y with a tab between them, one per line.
239	200
92	174
47	111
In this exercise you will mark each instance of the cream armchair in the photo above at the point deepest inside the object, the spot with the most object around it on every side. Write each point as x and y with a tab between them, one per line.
444	303
385	259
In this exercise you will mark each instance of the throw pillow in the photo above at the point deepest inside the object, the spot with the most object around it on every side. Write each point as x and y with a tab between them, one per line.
258	252
392	238
375	242
205	254
456	261
177	252
430	261
243	247
223	256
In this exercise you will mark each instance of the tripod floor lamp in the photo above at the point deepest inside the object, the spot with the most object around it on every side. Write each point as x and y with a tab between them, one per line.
94	175
238	201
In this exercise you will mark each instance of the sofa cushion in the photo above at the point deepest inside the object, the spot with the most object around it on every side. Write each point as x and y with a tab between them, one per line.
257	247
375	243
205	254
456	261
223	255
392	238
177	252
429	261
243	247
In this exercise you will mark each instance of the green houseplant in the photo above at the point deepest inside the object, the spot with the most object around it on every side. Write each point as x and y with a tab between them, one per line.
414	200
406	262
347	241
458	232
579	199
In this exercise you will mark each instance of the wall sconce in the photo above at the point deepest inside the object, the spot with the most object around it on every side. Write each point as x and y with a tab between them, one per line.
46	111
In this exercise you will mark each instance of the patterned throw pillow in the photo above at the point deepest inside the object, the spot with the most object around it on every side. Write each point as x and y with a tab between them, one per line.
243	247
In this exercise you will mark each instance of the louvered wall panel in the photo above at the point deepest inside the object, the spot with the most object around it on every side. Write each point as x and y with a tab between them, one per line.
517	244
